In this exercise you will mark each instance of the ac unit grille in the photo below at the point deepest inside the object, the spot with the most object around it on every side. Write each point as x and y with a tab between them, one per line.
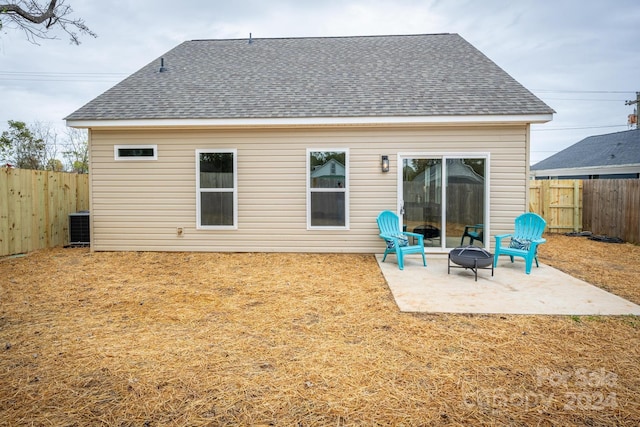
79	229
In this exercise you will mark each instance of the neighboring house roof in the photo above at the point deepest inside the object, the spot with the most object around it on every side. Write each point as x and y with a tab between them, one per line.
332	168
610	152
372	76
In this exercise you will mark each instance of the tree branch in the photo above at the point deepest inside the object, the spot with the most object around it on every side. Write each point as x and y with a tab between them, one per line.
36	19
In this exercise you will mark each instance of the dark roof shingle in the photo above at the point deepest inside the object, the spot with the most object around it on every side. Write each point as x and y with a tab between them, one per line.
613	149
373	76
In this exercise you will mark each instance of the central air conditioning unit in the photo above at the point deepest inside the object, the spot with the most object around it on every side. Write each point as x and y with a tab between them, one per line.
79	229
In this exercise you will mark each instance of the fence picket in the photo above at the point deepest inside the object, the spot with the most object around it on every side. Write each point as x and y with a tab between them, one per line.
4	211
14	211
632	201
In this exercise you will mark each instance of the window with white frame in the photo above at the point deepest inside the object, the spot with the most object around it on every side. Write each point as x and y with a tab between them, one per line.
217	189
328	189
135	152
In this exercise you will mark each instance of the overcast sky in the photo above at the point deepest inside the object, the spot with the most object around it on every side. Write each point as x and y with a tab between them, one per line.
581	57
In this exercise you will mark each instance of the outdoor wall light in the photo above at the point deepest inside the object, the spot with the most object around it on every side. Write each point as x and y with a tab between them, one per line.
385	163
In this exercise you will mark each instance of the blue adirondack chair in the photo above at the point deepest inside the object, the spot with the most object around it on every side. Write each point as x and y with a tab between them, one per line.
397	240
473	232
526	237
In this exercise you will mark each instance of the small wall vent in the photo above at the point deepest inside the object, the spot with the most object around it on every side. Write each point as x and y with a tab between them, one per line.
79	229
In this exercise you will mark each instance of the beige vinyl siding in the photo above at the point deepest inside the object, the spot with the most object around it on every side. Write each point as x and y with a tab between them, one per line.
137	205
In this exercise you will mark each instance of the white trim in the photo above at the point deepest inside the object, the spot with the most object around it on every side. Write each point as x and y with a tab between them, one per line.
588	170
345	189
117	147
199	225
452	154
311	121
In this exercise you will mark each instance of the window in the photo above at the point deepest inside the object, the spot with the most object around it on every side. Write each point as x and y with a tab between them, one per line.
328	189
135	152
216	186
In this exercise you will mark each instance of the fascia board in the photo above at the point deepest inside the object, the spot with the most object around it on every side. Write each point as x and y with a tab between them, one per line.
590	170
311	121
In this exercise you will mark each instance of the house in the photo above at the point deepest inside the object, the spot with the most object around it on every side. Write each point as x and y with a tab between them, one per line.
332	172
232	145
610	156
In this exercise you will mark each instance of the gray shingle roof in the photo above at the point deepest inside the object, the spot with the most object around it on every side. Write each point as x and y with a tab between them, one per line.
613	149
411	75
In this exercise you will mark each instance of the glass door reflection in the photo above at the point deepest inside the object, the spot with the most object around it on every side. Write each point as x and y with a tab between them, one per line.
422	196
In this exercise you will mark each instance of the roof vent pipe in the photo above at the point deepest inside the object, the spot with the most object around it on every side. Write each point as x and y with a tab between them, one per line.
162	68
250	39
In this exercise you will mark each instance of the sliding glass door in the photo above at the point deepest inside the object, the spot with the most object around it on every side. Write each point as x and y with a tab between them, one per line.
422	198
444	198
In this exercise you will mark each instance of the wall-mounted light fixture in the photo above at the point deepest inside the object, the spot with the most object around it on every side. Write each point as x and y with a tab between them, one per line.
385	164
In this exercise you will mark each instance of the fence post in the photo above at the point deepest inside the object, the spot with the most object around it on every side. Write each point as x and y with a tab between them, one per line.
577	226
15	212
4	211
544	198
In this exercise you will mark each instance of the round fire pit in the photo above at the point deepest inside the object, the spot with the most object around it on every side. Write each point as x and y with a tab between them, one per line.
471	257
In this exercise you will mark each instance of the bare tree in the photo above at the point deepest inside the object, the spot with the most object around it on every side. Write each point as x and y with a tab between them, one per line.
36	19
77	150
44	131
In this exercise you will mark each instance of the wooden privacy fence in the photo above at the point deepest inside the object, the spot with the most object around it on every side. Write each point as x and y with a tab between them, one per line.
35	208
612	208
609	207
559	202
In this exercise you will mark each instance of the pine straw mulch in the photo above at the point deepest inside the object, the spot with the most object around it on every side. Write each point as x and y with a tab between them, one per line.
150	339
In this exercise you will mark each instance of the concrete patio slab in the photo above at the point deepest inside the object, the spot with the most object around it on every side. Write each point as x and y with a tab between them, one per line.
510	291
